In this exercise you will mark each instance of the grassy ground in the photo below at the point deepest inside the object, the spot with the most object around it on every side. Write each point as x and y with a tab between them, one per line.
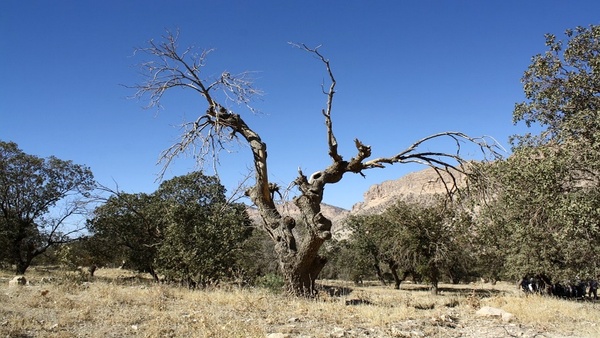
117	303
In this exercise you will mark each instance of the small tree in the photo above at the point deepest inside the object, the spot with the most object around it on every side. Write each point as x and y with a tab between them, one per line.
186	230
374	242
131	227
39	201
204	234
415	238
429	239
299	260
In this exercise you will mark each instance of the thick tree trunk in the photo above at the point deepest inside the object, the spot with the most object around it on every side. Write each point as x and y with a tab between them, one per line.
21	267
394	269
435	279
434	288
21	256
300	278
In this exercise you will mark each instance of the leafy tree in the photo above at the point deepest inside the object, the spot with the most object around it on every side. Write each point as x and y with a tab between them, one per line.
561	87
39	201
130	227
431	239
169	67
374	243
543	209
415	238
204	233
257	259
186	230
539	221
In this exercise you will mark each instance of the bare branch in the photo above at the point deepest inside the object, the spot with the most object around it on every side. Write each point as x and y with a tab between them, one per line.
171	68
331	140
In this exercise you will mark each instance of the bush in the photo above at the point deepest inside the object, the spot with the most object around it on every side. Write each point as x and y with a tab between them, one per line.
272	282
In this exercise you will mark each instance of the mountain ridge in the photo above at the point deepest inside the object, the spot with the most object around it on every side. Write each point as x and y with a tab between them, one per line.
412	187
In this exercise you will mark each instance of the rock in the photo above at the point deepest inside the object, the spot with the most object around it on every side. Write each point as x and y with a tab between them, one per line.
488	311
278	335
338	332
17	281
508	317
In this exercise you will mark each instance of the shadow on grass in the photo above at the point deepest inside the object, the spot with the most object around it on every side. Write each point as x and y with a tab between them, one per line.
461	290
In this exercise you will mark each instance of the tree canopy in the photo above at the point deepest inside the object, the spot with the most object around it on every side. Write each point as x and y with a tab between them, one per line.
38	197
186	230
544	211
428	240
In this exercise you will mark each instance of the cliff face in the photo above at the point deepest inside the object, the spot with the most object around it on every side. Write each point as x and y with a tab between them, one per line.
413	187
416	186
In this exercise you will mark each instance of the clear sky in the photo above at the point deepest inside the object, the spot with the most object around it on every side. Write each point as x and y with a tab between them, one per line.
405	69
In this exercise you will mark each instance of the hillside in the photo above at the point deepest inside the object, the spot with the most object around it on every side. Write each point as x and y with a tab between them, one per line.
416	186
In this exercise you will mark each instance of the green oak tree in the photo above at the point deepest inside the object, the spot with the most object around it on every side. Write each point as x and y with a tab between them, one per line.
543	211
204	234
428	240
129	228
42	202
186	230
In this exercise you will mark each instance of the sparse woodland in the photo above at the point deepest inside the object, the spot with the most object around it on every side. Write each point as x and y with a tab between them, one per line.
533	216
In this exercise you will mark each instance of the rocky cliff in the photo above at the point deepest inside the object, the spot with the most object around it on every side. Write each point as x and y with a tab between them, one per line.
416	186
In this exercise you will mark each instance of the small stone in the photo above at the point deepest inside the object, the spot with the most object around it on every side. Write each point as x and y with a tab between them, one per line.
293	320
338	332
277	335
507	317
488	311
17	281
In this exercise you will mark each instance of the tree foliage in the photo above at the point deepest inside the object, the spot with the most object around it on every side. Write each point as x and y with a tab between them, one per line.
543	214
186	230
39	198
415	238
130	228
205	234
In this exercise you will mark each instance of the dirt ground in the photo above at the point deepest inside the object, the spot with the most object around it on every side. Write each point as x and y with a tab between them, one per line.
119	303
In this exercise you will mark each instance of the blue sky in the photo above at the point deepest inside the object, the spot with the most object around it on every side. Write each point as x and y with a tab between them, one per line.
405	69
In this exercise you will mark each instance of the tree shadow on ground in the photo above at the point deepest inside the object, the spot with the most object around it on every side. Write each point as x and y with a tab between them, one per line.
458	291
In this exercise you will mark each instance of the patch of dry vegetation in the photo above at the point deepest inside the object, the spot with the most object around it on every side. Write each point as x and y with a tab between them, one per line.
118	303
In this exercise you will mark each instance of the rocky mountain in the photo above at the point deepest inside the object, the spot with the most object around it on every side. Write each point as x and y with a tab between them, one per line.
416	186
413	187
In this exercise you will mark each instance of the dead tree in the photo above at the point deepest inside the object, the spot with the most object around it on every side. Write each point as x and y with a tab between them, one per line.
299	260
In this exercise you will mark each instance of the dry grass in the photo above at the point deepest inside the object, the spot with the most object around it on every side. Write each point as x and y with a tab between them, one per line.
118	303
